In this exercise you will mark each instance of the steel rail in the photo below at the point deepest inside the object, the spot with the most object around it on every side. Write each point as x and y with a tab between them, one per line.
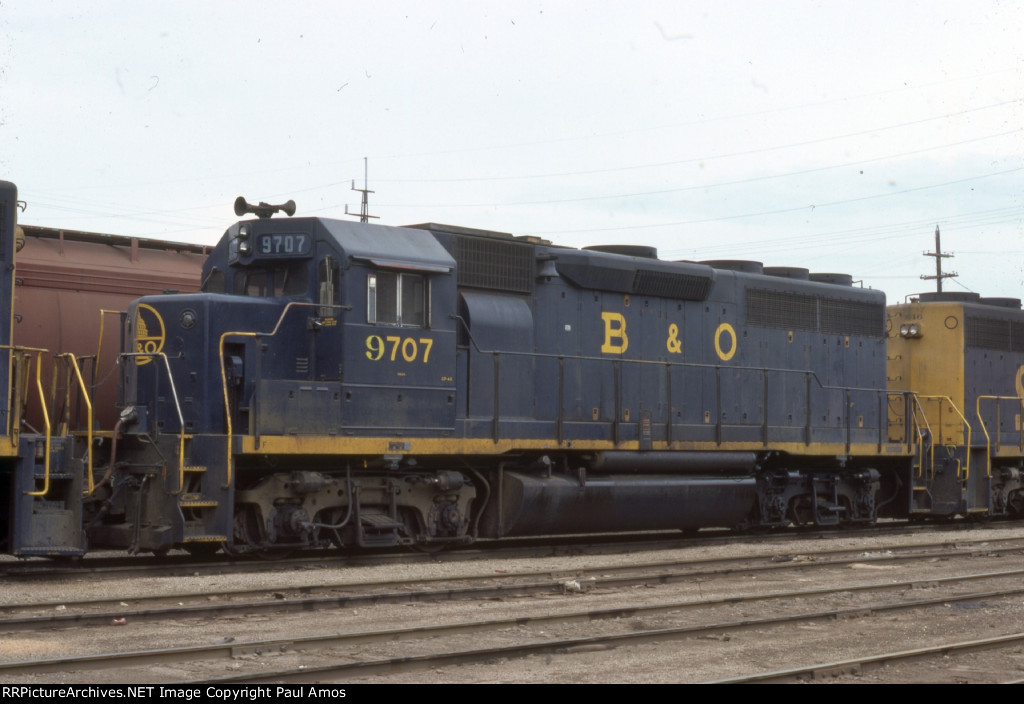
856	666
660	573
279	645
348	670
96	567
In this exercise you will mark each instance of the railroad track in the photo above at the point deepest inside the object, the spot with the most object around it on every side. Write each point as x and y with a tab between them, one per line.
176	565
863	664
211	603
108	566
313	669
217	628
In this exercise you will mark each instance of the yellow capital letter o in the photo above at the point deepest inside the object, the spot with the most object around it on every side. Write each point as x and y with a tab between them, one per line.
725	356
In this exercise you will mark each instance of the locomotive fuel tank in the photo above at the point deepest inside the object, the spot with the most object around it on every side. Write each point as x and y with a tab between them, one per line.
608	503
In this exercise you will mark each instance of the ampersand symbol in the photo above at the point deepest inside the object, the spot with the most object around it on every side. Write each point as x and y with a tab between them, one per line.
673	343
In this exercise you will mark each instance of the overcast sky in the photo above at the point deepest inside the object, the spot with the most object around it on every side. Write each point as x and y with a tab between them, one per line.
828	135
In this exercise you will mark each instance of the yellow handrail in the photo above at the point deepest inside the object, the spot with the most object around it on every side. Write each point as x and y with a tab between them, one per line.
19	395
27	353
177	406
46	426
981	421
920	435
99	343
224	375
88	406
947	399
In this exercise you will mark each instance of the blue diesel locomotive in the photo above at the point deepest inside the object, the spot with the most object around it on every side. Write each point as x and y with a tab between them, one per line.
340	383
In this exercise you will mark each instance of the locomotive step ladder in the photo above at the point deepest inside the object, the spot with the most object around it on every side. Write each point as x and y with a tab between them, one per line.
46	502
41	481
978	482
377	529
197	509
942	482
921	496
827	509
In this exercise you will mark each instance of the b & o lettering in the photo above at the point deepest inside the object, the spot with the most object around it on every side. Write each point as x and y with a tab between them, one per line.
726	352
615	339
673	343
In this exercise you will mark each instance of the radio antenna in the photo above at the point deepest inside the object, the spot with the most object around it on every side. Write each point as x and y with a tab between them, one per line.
364	211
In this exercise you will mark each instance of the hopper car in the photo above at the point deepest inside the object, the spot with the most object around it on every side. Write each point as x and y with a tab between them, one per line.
70	288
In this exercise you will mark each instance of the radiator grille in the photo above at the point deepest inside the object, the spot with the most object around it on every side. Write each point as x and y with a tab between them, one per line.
801	311
994	334
841	317
494	264
792	311
667	284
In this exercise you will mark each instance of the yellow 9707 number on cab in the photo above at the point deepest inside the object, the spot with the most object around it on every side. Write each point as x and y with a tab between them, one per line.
394	347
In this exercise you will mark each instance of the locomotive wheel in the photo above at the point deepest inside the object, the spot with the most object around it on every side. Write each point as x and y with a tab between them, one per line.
847	520
247	531
414	529
801	512
234	550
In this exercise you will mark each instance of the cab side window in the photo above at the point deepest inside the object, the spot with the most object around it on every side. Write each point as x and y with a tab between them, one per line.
396	299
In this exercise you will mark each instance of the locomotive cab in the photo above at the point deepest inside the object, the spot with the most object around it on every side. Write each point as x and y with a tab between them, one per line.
321	331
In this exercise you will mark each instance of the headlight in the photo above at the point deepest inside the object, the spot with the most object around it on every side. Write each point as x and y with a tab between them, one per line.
244	245
910	330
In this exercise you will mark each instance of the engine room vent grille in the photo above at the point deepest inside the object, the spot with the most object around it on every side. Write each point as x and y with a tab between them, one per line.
494	264
995	334
772	309
841	317
801	311
670	285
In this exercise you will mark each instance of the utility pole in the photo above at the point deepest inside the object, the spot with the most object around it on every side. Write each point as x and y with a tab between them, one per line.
939	256
364	211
